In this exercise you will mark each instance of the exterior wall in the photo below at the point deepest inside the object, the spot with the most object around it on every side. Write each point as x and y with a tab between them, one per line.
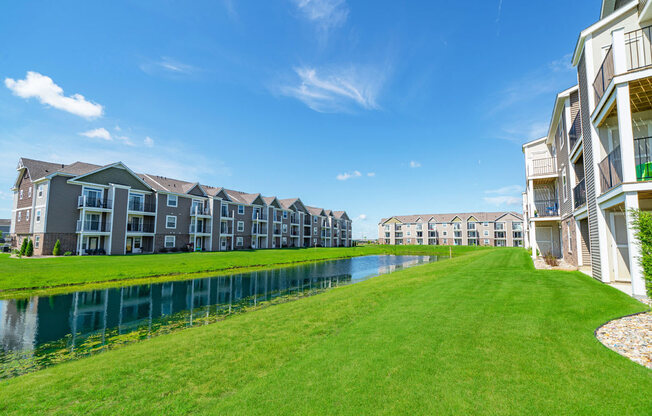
62	212
181	212
119	224
569	241
24	205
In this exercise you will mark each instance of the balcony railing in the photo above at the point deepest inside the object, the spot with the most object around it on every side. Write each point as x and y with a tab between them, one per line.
277	231
140	228
643	156
605	75
93	226
294	219
225	229
576	131
611	170
204	228
638	50
259	215
200	210
546	208
543	166
141	206
85	201
306	220
226	213
579	194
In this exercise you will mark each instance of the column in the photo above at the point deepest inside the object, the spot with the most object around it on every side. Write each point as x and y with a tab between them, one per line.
635	270
626	133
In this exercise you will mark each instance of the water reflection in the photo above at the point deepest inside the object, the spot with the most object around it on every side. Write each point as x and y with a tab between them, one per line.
42	331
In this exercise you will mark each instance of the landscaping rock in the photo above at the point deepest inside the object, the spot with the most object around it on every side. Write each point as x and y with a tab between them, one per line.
630	336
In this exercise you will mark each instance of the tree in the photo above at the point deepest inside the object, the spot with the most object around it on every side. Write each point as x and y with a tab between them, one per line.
23	247
29	251
56	251
642	224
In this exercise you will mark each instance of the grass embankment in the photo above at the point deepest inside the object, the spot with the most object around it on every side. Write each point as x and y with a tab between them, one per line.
29	275
483	333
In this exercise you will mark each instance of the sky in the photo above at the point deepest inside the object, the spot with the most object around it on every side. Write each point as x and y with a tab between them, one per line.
378	108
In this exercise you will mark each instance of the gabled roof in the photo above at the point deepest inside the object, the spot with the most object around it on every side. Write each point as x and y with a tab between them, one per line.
447	218
316	211
88	169
288	202
163	183
272	201
341	215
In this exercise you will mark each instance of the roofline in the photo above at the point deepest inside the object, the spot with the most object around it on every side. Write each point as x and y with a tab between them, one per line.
74	179
533	142
561	97
579	46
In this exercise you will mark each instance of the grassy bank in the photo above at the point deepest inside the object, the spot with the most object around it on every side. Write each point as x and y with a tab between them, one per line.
31	274
483	333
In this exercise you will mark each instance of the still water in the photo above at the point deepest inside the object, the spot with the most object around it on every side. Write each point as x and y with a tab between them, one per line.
42	331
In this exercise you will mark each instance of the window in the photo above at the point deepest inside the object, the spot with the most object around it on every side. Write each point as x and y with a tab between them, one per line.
39	190
409	240
285	228
314	220
37	241
408	233
563	183
173	200
486	242
20	214
517	226
570	237
486	224
27	215
500	226
21	194
445	232
315	228
240	209
517	234
170	241
445	225
29	192
314	241
38	215
240	226
386	235
418	226
170	221
486	233
470	226
136	202
239	241
387	228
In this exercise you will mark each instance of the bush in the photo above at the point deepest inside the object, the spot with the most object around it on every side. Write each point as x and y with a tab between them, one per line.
174	249
16	252
29	251
163	250
67	253
550	259
23	247
56	251
642	224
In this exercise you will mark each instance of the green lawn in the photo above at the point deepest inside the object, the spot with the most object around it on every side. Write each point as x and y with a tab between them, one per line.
33	273
483	333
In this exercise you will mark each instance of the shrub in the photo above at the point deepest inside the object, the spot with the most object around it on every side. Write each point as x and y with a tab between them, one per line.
16	252
174	249
642	223
23	247
56	251
29	251
550	259
163	250
67	253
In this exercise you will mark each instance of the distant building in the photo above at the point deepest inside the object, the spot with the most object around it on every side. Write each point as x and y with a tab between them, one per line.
111	209
497	229
5	226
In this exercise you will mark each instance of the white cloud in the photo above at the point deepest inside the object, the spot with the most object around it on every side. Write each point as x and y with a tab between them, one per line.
325	13
503	200
415	164
336	90
371	174
347	176
505	190
126	140
167	65
100	133
360	217
47	92
149	142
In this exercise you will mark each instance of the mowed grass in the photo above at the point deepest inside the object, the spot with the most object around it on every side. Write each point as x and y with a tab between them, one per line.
483	333
31	273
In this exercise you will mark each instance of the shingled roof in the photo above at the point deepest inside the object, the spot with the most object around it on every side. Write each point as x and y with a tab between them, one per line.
441	218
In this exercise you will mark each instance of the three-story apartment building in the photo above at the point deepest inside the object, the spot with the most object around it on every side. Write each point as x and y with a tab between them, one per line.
595	164
497	229
111	209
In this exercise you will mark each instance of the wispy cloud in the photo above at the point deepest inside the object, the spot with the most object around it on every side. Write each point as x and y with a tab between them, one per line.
414	164
371	174
360	217
346	176
167	65
505	196
99	133
44	89
336	90
149	142
324	13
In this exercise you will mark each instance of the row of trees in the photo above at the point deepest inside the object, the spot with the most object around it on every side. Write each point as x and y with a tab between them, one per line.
27	248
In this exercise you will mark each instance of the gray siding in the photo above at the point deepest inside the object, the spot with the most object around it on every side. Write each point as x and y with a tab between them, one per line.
62	212
119	226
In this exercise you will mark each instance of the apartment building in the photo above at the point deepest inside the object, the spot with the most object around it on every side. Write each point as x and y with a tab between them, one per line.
111	209
496	229
595	164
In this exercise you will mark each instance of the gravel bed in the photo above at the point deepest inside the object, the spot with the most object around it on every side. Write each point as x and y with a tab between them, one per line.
630	336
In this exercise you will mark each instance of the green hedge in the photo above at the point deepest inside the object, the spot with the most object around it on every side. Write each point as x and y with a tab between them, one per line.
643	226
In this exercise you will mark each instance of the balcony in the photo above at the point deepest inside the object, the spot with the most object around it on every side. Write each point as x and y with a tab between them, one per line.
579	194
204	228
294	219
226	214
200	210
140	228
638	49
86	202
575	132
258	230
224	229
542	167
277	231
643	156
611	170
140	206
604	76
306	220
259	216
546	208
93	226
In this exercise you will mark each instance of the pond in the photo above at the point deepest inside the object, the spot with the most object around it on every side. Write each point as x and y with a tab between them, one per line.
42	331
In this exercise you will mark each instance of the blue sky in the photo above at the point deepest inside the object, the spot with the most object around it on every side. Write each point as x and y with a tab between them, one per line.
375	107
